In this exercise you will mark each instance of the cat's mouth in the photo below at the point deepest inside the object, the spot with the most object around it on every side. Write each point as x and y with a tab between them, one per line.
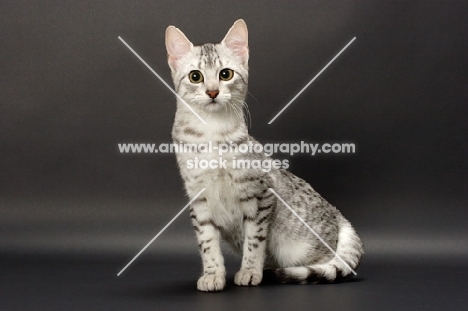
212	102
213	105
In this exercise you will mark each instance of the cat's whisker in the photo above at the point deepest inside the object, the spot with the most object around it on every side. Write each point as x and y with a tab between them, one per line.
239	112
253	97
226	109
236	112
248	112
247	116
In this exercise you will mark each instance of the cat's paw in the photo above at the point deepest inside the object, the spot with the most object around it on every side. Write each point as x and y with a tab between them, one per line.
211	283
248	277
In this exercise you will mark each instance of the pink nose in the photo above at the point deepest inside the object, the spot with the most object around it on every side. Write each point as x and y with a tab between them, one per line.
212	94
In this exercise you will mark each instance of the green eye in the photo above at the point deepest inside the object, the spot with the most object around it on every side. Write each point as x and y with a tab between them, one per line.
195	76
226	74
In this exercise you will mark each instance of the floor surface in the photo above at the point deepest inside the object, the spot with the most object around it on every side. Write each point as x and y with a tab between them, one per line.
166	282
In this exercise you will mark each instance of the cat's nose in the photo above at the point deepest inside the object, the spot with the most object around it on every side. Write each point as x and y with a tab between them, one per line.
212	94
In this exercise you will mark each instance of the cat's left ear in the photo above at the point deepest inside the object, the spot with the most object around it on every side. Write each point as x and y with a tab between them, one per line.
177	46
237	40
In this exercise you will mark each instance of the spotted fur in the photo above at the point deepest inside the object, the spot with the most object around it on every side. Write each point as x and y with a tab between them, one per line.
237	205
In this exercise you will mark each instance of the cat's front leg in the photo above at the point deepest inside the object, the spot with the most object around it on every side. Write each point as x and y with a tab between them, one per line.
208	236
256	225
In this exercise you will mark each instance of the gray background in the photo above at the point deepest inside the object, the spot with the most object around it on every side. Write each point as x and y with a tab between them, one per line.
71	91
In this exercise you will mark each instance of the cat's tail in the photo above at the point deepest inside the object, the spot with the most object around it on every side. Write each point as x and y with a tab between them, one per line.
349	248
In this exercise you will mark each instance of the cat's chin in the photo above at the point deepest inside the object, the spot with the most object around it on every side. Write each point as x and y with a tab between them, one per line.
214	107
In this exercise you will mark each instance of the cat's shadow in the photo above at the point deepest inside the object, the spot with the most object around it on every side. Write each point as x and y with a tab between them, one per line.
269	279
172	291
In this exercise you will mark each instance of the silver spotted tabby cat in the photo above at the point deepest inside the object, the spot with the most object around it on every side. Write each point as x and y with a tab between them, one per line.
237	204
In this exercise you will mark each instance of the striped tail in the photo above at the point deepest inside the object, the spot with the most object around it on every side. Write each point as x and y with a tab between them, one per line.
349	248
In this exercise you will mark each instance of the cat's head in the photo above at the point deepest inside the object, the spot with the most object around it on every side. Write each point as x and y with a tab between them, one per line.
210	77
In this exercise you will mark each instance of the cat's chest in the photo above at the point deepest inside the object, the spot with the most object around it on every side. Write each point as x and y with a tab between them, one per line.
208	166
222	195
220	187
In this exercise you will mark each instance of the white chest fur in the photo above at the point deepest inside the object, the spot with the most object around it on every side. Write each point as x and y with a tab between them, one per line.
221	192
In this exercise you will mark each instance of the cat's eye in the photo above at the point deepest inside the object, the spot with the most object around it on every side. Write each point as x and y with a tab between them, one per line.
226	74
195	76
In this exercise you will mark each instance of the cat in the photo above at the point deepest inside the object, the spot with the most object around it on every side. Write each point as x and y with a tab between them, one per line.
237	204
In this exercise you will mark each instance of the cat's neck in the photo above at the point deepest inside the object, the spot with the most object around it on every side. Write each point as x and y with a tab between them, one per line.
222	126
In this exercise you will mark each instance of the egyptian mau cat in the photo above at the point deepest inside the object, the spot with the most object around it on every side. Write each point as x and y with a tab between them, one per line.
237	205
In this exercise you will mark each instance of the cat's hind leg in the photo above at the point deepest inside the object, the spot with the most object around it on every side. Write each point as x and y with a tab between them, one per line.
349	249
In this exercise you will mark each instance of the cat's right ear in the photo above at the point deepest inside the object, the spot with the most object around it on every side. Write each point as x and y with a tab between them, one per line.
177	46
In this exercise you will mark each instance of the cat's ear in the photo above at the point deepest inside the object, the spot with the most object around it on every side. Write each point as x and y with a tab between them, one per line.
237	40
177	46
